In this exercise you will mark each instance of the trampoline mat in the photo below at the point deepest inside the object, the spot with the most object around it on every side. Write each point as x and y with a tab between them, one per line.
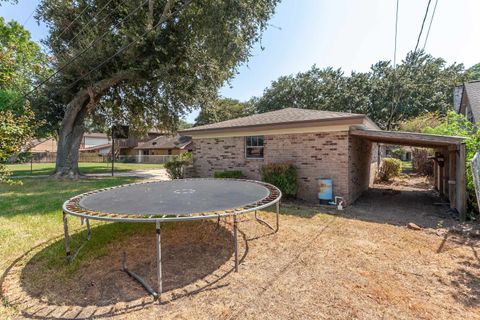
176	197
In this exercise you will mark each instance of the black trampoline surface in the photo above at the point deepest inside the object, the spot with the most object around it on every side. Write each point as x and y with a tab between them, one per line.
176	197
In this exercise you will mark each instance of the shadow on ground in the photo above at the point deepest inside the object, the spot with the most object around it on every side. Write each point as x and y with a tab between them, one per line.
96	285
400	206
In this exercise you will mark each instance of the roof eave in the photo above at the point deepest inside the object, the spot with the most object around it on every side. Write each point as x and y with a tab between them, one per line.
340	120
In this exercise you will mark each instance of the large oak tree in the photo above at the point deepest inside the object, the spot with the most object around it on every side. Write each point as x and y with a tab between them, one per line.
153	59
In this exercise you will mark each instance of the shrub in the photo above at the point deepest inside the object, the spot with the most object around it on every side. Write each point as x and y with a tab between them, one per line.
455	124
283	176
228	174
176	167
389	169
420	162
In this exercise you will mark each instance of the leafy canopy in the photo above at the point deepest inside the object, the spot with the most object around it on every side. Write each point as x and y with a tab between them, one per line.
421	83
15	132
221	110
22	64
158	58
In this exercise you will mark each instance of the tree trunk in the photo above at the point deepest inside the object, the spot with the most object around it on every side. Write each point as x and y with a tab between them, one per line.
72	127
69	140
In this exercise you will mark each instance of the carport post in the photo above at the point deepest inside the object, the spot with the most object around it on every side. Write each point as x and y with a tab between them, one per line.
461	196
159	259
451	176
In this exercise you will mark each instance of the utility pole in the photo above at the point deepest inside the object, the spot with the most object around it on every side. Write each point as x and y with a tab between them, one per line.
113	151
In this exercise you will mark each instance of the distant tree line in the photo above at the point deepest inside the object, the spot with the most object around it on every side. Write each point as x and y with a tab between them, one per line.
419	84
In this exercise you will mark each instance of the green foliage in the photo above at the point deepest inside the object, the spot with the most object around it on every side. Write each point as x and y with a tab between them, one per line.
473	73
176	166
419	123
15	132
191	49
421	83
389	169
420	162
21	60
228	174
283	176
454	124
221	110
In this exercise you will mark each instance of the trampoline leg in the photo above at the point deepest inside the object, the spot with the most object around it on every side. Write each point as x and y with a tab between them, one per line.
235	243
277	216
89	232
67	236
159	260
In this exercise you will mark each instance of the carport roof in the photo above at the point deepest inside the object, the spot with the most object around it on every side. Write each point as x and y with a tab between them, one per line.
405	138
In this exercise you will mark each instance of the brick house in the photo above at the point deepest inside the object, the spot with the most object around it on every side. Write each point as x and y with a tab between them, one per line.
334	145
318	143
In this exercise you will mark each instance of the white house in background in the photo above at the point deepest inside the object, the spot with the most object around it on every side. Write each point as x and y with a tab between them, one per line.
101	149
94	139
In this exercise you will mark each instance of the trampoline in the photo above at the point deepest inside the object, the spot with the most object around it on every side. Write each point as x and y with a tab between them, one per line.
167	201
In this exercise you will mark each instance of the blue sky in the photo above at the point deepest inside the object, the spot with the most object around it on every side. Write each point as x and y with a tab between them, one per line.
347	34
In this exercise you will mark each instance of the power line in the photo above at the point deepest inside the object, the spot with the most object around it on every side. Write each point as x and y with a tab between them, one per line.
88	23
28	18
162	20
78	55
396	32
421	29
430	25
72	22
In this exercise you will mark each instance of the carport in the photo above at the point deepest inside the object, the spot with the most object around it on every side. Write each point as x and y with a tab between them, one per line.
449	166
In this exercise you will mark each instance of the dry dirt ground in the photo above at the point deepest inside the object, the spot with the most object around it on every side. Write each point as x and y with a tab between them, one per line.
345	265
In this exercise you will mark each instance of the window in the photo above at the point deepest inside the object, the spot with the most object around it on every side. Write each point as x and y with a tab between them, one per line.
254	147
169	151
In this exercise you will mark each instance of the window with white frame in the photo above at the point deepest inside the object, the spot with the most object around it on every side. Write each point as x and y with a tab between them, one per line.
254	147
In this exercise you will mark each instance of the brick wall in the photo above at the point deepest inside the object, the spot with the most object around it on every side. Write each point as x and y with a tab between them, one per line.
362	161
314	154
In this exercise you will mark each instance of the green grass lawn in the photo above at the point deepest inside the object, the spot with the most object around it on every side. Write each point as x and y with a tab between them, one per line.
22	170
31	214
407	166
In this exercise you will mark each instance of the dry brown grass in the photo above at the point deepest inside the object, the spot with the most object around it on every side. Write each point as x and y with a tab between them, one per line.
317	266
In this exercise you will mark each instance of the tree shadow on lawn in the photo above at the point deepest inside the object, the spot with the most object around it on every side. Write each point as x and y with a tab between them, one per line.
399	207
466	277
191	251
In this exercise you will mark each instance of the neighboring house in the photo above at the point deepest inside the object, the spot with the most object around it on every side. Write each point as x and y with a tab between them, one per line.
466	100
102	149
43	146
165	145
92	139
127	146
333	145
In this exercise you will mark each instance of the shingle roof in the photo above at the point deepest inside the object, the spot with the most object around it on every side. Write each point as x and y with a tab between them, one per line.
472	90
405	138
166	142
283	116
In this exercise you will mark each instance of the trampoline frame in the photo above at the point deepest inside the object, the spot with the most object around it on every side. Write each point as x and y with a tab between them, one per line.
72	207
